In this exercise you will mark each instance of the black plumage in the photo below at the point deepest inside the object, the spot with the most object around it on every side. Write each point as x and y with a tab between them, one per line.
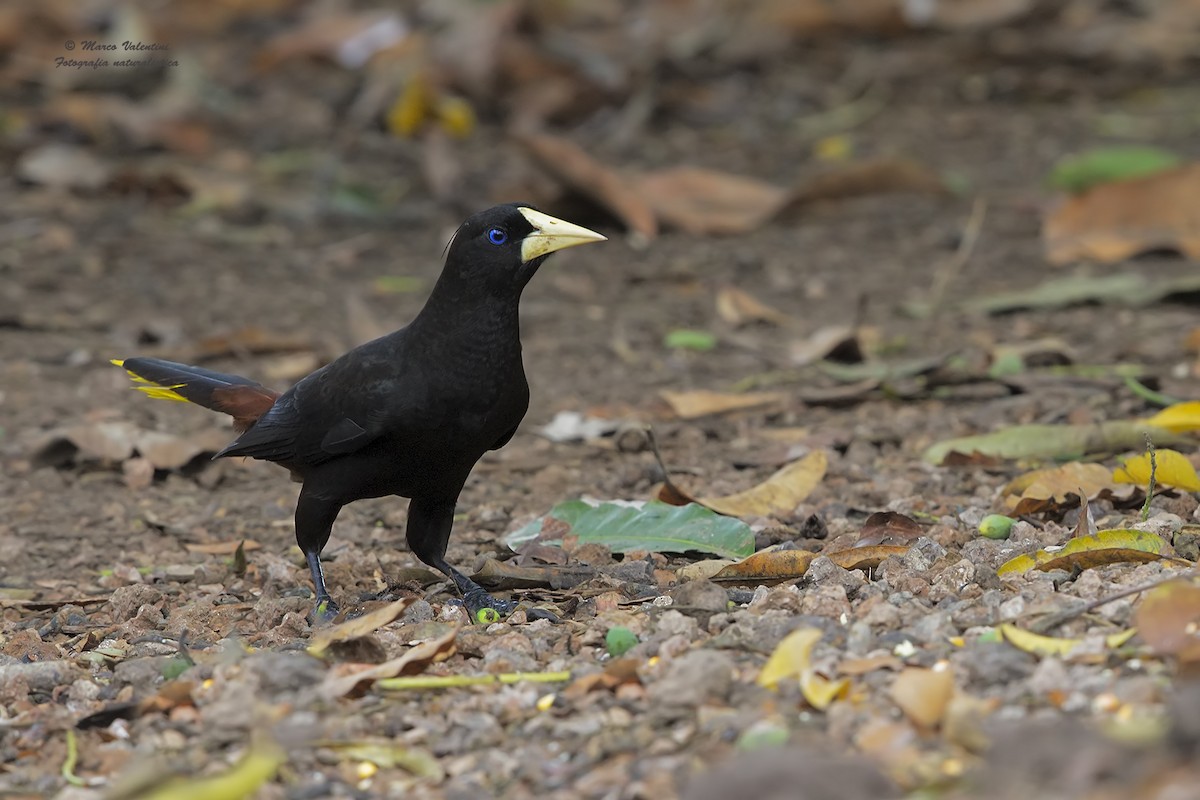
407	414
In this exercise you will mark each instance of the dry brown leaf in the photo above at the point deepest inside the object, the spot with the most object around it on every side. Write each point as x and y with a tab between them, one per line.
357	627
222	548
861	666
1055	488
866	557
923	694
740	308
703	201
867	178
1168	618
779	494
766	568
890	527
250	339
573	166
703	403
841	341
346	39
1115	221
350	680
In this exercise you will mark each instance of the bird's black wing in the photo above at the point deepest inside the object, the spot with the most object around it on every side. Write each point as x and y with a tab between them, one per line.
337	410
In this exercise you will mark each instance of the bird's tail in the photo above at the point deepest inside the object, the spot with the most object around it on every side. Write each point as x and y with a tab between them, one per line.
241	398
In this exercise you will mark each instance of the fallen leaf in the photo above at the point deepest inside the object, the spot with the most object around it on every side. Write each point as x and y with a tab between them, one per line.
703	201
792	658
389	754
779	494
1087	552
1052	441
242	780
1168	619
766	568
1171	469
1107	164
836	342
358	627
494	574
689	339
1122	289
351	679
1055	488
1115	221
1179	418
573	166
867	178
866	557
1040	645
703	403
349	40
862	666
222	548
890	527
248	340
923	694
654	527
739	308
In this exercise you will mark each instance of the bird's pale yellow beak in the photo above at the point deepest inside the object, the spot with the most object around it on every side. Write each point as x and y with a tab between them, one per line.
550	234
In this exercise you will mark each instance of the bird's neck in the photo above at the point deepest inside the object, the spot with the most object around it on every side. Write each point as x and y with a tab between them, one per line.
471	319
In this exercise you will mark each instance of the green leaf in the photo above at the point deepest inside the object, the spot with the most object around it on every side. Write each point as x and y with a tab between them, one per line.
690	340
619	640
1107	164
656	527
1052	442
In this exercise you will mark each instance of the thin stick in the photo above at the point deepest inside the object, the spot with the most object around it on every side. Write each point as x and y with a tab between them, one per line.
1052	621
1153	476
952	267
68	767
453	681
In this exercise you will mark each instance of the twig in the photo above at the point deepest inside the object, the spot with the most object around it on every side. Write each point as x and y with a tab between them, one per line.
1153	476
1146	393
68	767
453	681
1052	621
952	267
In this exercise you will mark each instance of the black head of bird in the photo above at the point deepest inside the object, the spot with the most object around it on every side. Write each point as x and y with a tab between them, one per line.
501	248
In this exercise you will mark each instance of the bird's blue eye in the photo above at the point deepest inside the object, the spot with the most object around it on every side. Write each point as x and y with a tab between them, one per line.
497	236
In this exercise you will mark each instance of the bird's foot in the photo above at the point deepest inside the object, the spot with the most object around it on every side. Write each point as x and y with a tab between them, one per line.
485	609
323	612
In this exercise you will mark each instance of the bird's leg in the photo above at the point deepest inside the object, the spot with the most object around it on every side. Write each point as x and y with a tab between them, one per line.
314	522
429	524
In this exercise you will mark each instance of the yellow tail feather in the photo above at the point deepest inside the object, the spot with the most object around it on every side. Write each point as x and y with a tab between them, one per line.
152	389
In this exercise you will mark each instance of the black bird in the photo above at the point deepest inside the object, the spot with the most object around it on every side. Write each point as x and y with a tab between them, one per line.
407	414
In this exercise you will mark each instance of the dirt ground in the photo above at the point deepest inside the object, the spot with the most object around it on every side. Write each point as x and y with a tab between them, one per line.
99	583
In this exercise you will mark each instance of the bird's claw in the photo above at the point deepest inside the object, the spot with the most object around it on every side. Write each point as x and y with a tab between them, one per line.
324	612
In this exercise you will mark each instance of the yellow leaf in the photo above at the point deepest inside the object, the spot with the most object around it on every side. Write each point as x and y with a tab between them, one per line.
791	658
1172	469
411	108
779	494
242	780
819	691
1040	645
456	116
1085	552
1179	418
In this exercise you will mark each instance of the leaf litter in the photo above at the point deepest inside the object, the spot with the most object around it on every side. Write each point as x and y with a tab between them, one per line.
106	597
